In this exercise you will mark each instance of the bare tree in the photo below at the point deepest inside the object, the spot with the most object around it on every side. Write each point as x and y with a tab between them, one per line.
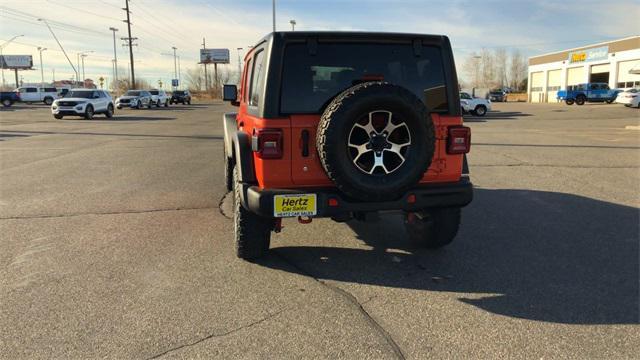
517	69
195	78
500	57
471	67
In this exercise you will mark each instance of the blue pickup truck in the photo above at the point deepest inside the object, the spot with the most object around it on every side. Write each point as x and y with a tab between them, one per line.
591	92
7	98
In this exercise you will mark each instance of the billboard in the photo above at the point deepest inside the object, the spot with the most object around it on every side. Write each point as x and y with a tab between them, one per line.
16	61
600	53
214	56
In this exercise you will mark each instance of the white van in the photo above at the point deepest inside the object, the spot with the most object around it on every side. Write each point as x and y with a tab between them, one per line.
31	94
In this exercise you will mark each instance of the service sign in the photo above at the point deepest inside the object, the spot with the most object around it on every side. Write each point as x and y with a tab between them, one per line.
214	56
595	54
16	61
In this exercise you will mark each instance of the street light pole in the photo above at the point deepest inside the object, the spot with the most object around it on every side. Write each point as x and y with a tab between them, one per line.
115	61
293	24
273	10
1	48
175	66
239	65
40	50
179	76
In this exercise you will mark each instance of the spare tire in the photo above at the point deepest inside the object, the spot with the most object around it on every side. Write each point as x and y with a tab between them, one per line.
375	141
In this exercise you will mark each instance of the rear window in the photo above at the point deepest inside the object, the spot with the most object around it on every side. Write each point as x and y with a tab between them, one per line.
311	81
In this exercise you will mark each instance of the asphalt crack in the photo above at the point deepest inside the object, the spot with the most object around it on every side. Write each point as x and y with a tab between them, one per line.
46	216
214	335
354	301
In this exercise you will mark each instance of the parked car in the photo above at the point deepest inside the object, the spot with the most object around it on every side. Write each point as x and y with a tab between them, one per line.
630	98
474	105
497	96
159	97
181	96
9	97
590	92
83	102
32	94
353	142
134	99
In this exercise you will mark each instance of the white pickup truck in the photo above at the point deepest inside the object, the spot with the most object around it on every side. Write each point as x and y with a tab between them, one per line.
31	94
475	106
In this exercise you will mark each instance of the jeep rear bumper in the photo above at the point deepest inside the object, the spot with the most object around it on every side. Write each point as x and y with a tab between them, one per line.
456	194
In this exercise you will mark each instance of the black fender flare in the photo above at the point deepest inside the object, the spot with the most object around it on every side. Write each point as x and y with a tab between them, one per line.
243	157
230	126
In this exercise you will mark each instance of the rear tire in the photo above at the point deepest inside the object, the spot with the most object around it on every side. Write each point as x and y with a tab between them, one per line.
48	101
166	103
480	110
7	103
435	228
609	101
252	233
580	100
58	116
228	172
569	101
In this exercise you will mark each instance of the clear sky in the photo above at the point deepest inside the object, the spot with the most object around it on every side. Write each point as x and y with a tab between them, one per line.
534	26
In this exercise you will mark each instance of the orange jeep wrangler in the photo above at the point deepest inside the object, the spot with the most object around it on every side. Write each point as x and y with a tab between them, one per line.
342	124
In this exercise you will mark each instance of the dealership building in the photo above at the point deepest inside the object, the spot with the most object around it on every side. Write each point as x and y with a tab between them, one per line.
616	63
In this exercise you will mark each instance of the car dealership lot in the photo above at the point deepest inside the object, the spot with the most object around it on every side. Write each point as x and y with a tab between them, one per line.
116	243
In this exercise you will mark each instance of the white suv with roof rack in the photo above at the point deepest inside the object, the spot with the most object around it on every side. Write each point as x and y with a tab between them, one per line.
83	102
159	97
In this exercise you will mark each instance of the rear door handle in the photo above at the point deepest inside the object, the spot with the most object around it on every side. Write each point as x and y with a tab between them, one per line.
305	143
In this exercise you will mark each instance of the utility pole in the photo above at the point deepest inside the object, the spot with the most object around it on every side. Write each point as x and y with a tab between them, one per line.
53	75
293	24
239	66
130	41
115	61
40	50
175	66
273	10
84	77
206	78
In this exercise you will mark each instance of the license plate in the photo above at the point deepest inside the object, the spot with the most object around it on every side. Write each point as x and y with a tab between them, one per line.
294	205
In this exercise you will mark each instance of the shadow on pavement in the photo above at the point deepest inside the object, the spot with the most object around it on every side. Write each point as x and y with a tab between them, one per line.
194	137
496	115
135	118
526	254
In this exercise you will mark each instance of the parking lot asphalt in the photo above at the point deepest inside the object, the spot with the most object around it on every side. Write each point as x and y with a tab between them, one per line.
115	242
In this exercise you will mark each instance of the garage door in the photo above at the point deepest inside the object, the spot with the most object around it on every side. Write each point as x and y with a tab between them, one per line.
575	76
554	81
599	69
537	92
626	80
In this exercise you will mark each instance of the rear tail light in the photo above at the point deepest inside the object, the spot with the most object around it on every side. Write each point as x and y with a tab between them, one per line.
267	143
459	140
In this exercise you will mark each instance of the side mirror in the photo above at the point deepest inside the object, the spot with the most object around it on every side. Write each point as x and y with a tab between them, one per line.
230	93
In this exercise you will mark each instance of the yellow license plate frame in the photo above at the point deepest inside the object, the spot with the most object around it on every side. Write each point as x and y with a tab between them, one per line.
295	205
